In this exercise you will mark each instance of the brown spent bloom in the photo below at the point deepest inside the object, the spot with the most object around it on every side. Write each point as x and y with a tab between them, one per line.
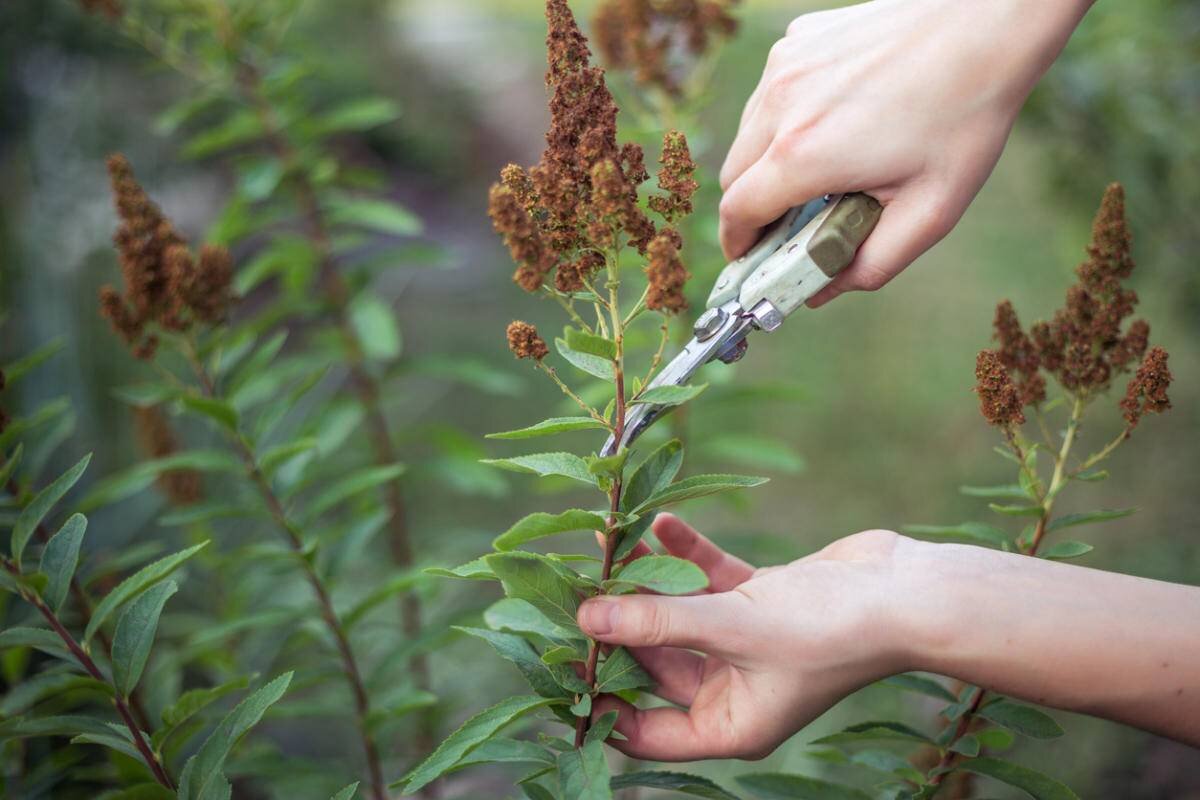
1147	390
657	40
111	8
524	341
571	275
164	284
675	178
521	235
999	399
1018	354
1084	345
666	274
182	487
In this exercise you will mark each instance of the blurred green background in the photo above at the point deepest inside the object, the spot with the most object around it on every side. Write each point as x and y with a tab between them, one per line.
874	391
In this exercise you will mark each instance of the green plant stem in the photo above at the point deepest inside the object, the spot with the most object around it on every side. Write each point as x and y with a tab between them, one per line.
84	604
1057	481
362	701
123	710
591	412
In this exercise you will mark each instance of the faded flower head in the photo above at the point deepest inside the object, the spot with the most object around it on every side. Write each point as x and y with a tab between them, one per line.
666	274
999	398
1084	345
154	434
1019	355
1147	390
163	283
657	40
525	342
581	200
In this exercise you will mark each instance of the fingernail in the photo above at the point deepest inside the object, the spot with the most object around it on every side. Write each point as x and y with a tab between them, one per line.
599	617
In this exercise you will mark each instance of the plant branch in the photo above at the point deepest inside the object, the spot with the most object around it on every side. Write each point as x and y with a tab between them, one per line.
139	740
579	401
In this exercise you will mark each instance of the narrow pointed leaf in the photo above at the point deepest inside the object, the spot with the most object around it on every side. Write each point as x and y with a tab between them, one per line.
135	635
653	475
874	731
476	570
778	786
669	395
136	584
1060	551
470	735
590	344
697	486
567	465
9	468
680	782
540	525
60	558
1022	719
550	426
977	532
583	773
518	651
1033	783
355	483
346	793
595	366
1103	515
530	578
919	683
620	671
32	515
662	574
215	409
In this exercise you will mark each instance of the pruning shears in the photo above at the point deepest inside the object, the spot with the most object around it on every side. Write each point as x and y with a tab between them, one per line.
799	255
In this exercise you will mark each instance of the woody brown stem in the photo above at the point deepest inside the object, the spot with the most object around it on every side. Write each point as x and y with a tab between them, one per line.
362	702
123	710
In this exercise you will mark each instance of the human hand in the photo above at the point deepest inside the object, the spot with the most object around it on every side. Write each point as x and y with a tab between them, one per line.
778	646
910	101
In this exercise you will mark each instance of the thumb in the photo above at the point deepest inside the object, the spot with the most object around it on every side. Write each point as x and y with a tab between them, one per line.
719	624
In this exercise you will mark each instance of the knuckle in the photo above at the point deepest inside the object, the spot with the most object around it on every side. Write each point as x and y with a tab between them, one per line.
870	279
651	622
729	211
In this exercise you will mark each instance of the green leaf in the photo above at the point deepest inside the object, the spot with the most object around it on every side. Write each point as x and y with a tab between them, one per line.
583	708
215	409
136	584
135	635
32	515
662	574
778	786
583	773
357	115
194	701
15	370
402	582
967	745
1060	551
356	482
888	763
470	735
1016	511
669	395
567	465
259	178
39	638
502	750
672	781
383	216
67	725
550	426
653	475
59	559
620	671
1033	783
515	649
1022	719
203	772
757	452
31	691
281	454
977	532
697	486
241	127
476	570
121	744
541	525
875	731
526	576
995	738
918	683
1009	491
128	482
593	365
9	468
1103	515
346	792
1091	475
511	614
375	327
592	345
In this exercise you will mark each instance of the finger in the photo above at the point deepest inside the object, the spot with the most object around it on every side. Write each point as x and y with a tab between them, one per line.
910	225
666	734
772	185
676	673
712	623
680	539
752	140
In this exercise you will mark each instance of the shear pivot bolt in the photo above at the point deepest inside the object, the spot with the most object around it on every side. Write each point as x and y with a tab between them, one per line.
709	323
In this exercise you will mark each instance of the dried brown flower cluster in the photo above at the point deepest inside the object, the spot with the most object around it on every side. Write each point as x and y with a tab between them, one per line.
999	399
1147	392
111	8
666	274
581	200
525	342
164	283
654	39
1083	346
157	440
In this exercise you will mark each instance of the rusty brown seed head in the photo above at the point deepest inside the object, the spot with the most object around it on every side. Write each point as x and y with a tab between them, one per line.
524	341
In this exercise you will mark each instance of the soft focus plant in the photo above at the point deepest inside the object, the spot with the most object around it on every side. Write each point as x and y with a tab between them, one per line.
573	223
1081	351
